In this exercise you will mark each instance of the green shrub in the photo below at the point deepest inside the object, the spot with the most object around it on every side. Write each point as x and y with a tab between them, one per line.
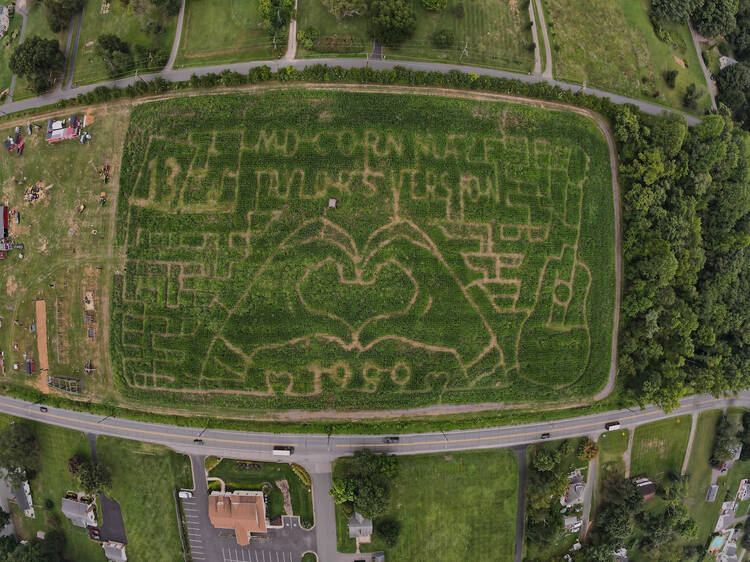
302	474
434	5
458	10
670	77
443	38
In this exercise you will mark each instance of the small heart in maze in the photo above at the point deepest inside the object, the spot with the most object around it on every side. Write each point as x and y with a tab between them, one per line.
386	290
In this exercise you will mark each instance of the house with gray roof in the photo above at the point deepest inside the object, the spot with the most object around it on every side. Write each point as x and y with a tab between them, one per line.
4	20
80	510
359	526
114	551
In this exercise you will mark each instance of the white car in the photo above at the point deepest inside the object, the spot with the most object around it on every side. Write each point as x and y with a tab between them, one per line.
184	494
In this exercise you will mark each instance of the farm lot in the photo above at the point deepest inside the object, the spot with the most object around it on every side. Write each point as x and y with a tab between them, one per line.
225	31
619	50
236	477
313	255
458	506
659	448
121	19
491	33
62	255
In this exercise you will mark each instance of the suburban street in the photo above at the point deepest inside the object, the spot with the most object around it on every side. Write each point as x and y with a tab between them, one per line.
316	452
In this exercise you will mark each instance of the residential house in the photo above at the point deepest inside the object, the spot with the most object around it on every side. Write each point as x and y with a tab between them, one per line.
726	61
24	499
572	523
4	20
80	509
576	486
114	551
242	511
743	492
359	526
726	516
646	488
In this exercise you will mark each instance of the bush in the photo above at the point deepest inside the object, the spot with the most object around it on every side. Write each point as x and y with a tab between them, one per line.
302	474
393	21
458	10
307	37
690	99
443	38
670	77
434	5
388	529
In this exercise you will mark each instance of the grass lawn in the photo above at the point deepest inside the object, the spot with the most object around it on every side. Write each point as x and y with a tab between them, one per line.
144	477
338	36
659	447
50	483
7	46
60	250
36	24
237	478
460	506
619	51
122	21
612	446
225	31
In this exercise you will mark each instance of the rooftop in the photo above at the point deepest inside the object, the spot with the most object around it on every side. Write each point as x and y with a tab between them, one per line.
242	511
359	526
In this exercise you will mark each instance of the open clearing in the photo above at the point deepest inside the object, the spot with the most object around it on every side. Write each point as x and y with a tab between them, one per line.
491	33
659	447
225	31
611	44
462	262
460	506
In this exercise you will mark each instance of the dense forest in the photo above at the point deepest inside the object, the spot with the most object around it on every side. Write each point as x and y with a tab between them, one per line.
686	213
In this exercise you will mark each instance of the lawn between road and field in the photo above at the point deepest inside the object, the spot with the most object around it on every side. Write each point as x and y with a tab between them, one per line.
392	262
482	33
613	45
457	506
659	448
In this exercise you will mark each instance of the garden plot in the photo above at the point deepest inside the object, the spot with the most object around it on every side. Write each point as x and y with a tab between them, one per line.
323	249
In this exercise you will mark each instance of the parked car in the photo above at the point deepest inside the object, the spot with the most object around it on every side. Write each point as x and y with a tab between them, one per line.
94	534
391	439
544	436
185	495
198	441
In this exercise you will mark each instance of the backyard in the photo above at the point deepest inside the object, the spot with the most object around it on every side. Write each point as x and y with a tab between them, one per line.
458	506
144	477
225	31
252	475
383	309
121	19
659	448
619	50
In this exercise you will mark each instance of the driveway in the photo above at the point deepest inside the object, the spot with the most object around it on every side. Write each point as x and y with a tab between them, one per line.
113	527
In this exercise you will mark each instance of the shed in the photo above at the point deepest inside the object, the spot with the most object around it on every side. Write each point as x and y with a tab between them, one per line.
711	494
114	551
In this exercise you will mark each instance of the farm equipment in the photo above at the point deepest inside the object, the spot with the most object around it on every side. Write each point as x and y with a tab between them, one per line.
80	208
89	368
102	198
104	173
36	192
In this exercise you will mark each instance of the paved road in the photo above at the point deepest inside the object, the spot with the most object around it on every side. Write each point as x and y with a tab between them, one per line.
547	74
535	38
588	495
177	36
72	56
710	84
184	74
291	43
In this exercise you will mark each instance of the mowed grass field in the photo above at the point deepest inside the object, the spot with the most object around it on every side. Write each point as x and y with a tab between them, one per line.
492	33
225	31
61	255
144	477
463	261
611	45
123	21
7	47
459	506
659	448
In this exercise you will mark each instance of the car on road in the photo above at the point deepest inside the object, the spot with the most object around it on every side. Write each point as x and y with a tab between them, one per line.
391	439
185	495
544	436
611	426
43	409
283	451
198	441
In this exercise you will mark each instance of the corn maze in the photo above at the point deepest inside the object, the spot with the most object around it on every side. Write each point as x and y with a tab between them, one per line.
330	249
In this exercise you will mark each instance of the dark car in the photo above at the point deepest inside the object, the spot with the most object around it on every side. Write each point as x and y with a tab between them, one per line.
391	439
544	436
43	409
198	441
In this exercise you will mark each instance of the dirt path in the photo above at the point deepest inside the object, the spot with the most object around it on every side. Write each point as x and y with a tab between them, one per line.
535	38
41	344
547	48
686	460
627	455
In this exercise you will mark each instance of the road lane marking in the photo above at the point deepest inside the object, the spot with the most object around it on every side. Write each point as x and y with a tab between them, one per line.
515	435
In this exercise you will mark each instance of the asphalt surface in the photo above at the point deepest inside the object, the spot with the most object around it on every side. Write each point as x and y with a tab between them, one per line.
547	73
183	74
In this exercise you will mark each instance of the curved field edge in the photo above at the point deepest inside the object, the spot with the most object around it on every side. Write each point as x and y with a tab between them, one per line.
601	309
